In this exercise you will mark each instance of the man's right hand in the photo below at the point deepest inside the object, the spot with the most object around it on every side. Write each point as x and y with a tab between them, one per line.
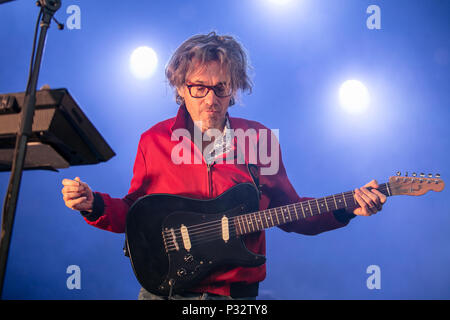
77	195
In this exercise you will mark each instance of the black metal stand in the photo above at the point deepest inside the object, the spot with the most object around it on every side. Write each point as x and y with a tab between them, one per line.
48	8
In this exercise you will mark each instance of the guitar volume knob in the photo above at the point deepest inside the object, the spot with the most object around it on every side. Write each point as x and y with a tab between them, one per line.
181	272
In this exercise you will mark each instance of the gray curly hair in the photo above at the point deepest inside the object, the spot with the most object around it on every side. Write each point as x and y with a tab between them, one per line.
205	48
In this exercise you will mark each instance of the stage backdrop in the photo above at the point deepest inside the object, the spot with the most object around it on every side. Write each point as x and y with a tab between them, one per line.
301	53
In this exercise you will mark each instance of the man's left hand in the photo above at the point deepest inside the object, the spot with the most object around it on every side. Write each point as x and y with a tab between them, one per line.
370	201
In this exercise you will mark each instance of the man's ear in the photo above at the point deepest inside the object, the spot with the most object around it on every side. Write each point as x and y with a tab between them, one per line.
180	91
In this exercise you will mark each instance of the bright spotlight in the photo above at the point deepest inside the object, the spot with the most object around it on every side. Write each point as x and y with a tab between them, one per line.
354	96
143	62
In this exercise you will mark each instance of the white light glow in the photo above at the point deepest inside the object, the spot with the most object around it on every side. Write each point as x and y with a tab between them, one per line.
143	62
280	2
354	96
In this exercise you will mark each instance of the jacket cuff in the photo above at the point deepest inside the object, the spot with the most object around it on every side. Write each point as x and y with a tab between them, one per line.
343	216
98	207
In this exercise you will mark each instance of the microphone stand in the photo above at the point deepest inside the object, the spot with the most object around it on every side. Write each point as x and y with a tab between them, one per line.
48	9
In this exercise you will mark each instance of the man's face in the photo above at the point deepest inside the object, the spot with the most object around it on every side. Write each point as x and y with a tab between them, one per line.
211	109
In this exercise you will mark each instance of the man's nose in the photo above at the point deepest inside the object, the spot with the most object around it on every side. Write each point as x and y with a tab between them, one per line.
210	98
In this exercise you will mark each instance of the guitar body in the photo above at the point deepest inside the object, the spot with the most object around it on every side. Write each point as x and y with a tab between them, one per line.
174	242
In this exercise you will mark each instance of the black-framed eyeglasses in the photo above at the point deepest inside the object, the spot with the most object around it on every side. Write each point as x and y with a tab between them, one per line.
201	91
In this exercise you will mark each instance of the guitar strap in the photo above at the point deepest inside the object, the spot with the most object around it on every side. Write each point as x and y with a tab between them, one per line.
254	172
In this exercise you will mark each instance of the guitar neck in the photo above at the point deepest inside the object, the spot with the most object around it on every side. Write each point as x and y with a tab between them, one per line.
260	220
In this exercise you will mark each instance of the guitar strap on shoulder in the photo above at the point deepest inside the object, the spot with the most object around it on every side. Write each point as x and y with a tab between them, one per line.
254	172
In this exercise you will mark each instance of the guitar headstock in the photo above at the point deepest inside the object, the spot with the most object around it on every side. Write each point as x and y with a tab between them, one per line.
415	185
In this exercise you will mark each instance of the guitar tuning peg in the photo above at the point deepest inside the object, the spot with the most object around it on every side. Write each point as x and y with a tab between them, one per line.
399	173
437	175
430	175
414	174
422	174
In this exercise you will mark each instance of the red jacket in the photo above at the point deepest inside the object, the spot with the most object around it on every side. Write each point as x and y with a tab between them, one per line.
154	172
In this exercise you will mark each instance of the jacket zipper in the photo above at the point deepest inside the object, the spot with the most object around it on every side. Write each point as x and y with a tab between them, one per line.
210	188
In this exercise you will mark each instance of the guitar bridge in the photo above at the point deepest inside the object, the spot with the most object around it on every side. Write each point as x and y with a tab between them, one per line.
165	242
170	240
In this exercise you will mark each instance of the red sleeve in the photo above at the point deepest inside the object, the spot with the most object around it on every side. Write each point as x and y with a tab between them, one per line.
113	217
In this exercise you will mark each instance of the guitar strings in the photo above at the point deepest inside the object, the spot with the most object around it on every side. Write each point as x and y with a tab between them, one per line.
200	227
204	238
347	196
211	230
212	234
215	229
215	232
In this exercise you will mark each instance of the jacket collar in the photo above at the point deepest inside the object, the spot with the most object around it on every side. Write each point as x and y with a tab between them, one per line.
182	118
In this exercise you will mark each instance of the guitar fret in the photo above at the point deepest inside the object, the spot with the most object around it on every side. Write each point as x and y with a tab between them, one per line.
340	201
249	223
296	214
326	204
305	209
335	204
234	228
318	208
270	216
236	219
282	215
258	217
343	196
276	215
244	224
310	212
353	197
265	216
256	222
289	212
301	206
233	221
239	224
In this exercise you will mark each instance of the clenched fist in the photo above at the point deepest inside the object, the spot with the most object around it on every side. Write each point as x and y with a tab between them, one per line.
370	201
77	195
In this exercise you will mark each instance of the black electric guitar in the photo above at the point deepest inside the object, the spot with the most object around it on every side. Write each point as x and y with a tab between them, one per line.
174	242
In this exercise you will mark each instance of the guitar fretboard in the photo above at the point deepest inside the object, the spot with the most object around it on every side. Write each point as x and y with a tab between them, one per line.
260	220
